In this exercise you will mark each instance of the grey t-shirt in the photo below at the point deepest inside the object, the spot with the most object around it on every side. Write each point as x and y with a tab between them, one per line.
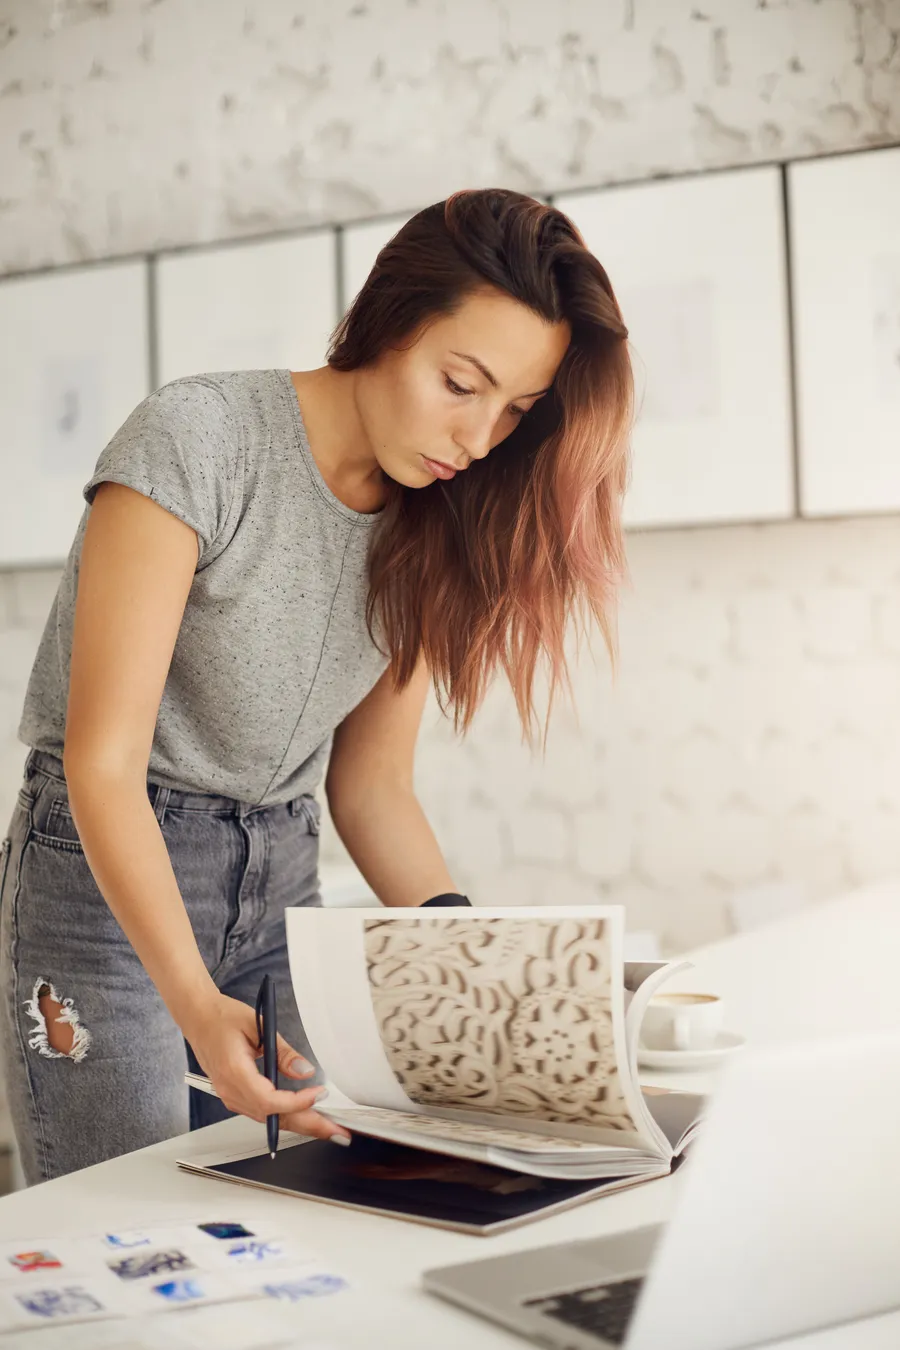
273	650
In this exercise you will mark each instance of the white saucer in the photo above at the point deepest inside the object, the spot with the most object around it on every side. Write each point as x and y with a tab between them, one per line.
726	1043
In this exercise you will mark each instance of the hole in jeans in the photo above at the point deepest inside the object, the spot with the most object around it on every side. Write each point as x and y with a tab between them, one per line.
58	1033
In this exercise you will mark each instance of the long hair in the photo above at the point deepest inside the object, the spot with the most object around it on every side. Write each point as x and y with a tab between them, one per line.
484	572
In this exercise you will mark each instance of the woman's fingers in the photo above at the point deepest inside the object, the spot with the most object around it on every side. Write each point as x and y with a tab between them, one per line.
234	1057
310	1122
289	1061
258	1098
292	1064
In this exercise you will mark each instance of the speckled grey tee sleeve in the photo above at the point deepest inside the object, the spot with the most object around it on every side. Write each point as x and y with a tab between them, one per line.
182	447
273	650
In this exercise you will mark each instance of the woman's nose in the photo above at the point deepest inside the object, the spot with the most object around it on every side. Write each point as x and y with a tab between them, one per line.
476	438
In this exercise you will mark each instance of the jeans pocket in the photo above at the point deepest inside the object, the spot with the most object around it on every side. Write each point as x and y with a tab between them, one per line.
313	812
308	809
51	818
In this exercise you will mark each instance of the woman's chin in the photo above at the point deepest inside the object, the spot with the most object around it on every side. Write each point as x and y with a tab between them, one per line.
410	475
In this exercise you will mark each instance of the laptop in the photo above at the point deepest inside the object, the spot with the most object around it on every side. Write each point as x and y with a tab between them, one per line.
786	1220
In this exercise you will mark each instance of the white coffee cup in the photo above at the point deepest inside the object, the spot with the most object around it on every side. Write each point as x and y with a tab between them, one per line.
682	1021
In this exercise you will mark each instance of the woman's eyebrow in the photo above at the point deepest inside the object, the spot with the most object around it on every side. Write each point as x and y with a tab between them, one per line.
492	379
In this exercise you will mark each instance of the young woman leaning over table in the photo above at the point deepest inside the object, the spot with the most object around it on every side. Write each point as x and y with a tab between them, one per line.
273	564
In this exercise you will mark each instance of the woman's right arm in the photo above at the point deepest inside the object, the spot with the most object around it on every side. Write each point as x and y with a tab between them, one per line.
136	568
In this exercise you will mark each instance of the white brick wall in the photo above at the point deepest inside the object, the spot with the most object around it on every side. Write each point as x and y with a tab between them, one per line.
751	736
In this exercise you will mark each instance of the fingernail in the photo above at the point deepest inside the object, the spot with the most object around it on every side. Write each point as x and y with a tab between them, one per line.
342	1139
322	1092
299	1065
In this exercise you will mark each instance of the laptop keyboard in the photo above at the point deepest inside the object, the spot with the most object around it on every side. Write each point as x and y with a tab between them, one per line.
602	1310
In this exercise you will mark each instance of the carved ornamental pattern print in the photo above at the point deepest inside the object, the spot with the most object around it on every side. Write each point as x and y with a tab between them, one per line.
506	1016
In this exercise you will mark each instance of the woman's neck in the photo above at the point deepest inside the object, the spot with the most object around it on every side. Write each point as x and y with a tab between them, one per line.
337	438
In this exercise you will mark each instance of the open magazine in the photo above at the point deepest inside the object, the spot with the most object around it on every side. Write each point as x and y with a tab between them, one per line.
505	1036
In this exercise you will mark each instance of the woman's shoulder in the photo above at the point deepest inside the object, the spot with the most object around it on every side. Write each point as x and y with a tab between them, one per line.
189	400
214	390
246	403
184	444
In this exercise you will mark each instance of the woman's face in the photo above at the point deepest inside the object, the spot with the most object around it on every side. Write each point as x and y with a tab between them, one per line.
460	390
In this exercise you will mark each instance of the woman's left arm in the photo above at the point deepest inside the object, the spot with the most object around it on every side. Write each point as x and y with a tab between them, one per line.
369	786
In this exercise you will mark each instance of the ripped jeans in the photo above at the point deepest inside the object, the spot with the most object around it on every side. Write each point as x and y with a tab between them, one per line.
121	1085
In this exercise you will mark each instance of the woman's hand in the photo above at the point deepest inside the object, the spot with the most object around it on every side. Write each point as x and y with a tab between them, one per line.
223	1037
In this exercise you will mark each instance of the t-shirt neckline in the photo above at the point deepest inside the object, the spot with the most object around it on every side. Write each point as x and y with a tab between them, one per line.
367	518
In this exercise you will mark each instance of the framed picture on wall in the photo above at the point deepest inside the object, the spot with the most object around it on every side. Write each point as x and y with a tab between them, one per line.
698	265
845	250
247	305
76	364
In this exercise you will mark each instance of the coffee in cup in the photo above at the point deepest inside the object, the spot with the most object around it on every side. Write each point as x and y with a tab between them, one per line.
682	1021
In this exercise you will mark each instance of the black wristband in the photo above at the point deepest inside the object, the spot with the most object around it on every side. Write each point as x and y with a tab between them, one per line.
449	898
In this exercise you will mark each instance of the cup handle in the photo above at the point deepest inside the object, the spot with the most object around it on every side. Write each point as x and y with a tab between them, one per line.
681	1033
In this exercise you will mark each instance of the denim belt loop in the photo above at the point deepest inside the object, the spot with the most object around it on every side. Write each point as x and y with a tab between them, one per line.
162	801
296	806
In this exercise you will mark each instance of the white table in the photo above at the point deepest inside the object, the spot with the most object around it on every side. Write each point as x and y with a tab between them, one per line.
828	969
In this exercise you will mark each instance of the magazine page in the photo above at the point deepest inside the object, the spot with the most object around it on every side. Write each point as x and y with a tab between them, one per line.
514	1014
642	981
517	1150
524	1150
676	1113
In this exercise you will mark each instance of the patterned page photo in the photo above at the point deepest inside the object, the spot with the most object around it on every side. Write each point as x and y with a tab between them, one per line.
504	1027
505	1016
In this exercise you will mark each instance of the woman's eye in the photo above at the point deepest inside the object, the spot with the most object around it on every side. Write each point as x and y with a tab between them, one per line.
458	389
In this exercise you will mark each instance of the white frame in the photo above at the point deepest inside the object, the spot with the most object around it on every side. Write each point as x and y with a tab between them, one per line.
699	267
248	305
845	245
76	365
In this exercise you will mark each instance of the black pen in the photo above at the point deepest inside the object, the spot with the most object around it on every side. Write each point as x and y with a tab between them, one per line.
267	1031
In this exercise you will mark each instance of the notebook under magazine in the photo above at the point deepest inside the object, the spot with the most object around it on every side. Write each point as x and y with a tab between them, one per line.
501	1037
406	1183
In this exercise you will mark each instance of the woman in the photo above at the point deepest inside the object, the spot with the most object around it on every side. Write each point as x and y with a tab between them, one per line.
273	564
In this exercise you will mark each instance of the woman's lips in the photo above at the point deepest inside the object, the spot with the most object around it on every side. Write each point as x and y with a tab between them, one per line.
438	469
